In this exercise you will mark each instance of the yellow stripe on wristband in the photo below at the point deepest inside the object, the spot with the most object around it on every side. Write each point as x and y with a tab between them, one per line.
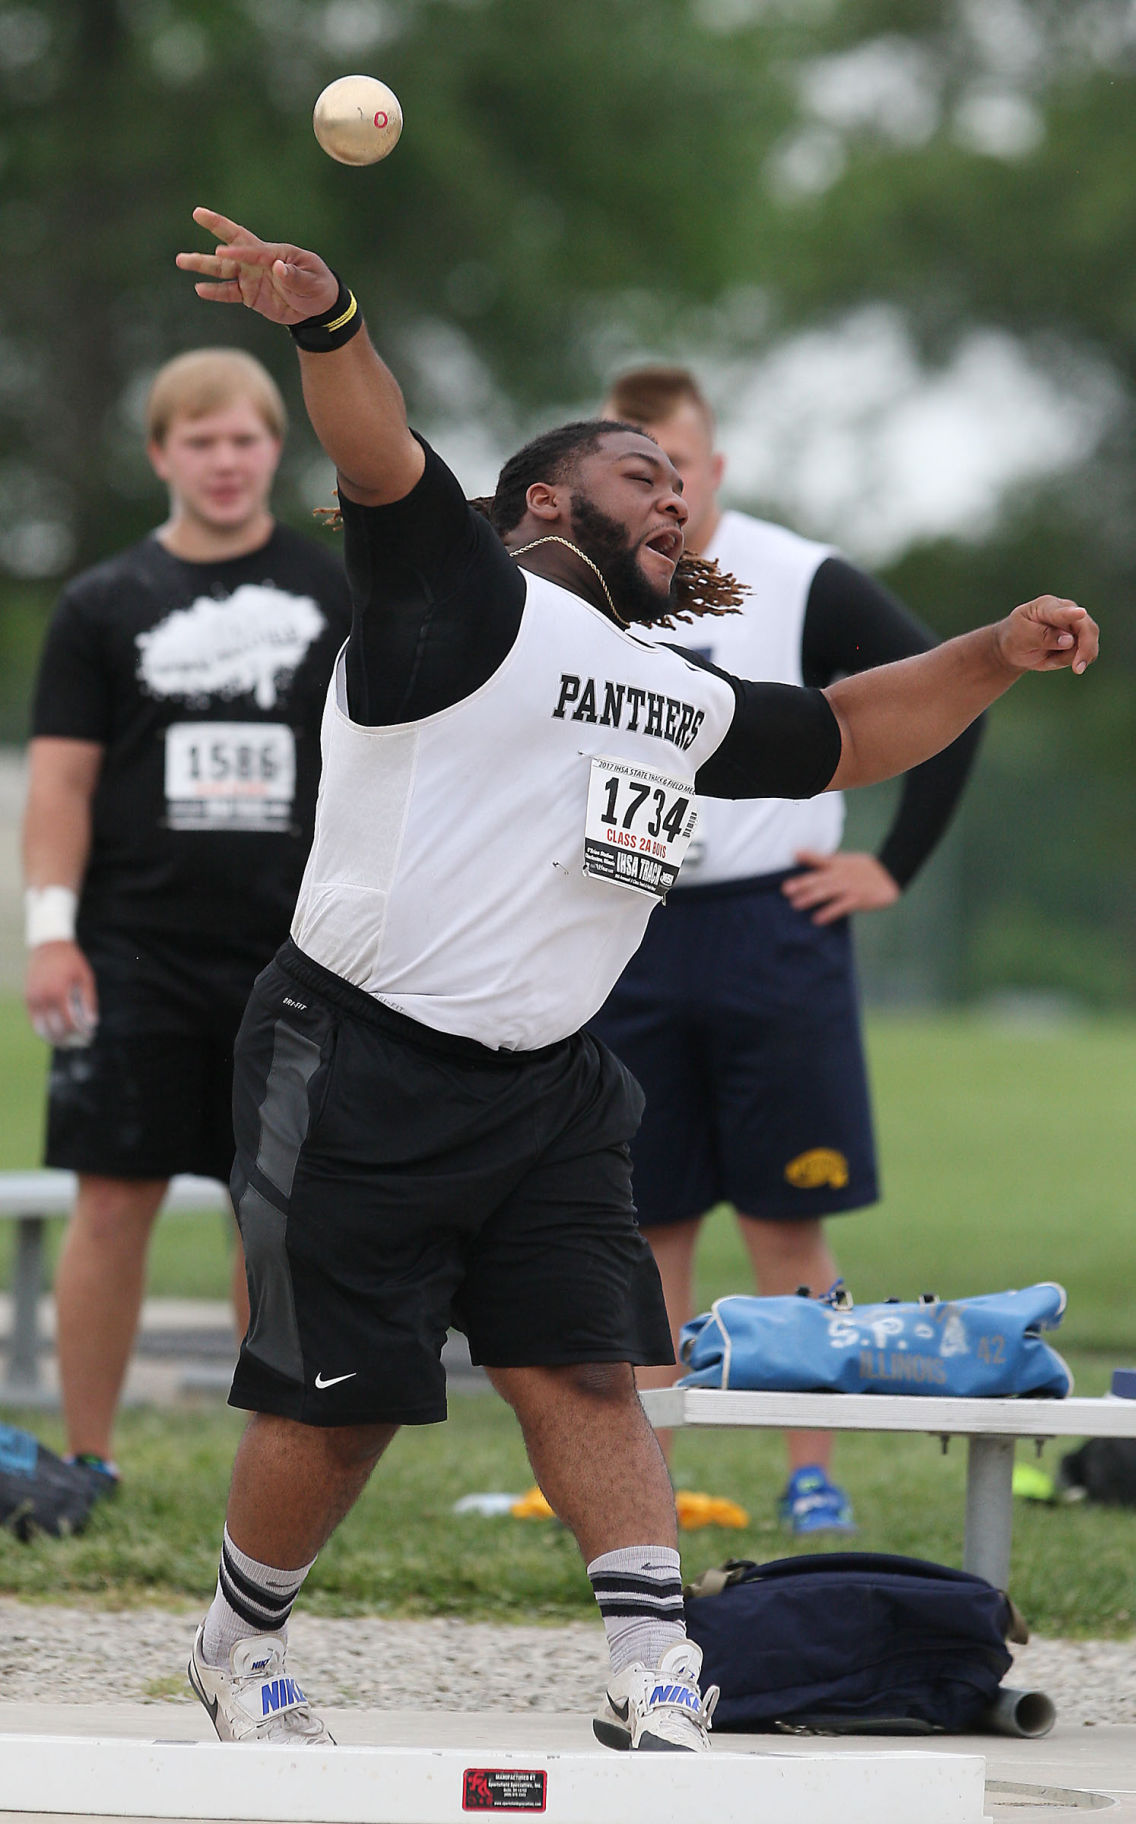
338	322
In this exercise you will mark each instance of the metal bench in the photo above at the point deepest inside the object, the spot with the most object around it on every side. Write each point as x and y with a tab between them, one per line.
28	1199
991	1428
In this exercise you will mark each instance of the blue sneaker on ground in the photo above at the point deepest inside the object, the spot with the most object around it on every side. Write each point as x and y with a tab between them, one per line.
100	1476
813	1504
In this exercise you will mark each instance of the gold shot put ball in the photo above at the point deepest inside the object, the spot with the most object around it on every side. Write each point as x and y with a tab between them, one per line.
357	120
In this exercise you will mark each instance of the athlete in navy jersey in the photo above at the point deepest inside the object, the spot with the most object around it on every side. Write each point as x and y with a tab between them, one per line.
415	1143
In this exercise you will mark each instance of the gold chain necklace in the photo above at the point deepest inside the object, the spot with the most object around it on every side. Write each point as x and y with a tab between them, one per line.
552	538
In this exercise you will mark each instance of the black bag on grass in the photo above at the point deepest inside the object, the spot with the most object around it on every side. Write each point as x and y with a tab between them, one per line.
1103	1469
852	1642
39	1492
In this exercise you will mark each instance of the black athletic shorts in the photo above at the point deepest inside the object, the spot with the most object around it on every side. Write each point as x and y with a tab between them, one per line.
740	1019
392	1181
152	1094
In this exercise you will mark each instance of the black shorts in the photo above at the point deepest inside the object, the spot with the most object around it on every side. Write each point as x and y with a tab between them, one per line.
740	1018
152	1094
392	1181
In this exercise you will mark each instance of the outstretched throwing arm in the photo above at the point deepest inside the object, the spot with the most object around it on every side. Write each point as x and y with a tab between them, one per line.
353	399
895	716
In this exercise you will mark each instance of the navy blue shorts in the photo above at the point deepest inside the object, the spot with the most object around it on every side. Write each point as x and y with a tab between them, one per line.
392	1181
740	1019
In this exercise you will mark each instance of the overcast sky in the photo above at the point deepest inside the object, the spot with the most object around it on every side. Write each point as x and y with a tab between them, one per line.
845	434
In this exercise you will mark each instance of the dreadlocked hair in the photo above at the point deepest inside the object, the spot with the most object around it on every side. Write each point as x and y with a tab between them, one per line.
702	588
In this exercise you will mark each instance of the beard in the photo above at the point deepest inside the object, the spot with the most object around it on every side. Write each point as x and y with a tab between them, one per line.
605	541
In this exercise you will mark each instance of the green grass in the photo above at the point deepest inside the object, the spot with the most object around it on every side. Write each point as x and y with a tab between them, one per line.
403	1552
1009	1156
23	1066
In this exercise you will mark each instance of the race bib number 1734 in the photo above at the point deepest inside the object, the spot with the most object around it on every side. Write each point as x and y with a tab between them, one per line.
639	825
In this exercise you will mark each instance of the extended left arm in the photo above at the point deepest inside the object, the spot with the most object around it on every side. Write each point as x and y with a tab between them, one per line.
895	716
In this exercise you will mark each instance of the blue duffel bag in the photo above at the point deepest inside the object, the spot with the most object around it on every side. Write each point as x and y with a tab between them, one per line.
983	1347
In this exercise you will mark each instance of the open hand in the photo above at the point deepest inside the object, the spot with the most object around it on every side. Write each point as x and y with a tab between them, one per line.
833	886
286	284
1048	634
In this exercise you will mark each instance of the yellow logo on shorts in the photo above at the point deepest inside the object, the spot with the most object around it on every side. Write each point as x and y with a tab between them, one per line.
820	1165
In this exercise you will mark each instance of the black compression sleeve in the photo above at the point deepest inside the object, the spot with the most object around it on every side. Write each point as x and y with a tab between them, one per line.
783	742
927	803
851	624
436	601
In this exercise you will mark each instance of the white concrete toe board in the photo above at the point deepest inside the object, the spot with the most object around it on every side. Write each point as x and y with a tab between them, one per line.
126	1778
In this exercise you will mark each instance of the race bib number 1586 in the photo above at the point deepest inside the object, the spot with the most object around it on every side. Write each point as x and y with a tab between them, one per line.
639	825
230	775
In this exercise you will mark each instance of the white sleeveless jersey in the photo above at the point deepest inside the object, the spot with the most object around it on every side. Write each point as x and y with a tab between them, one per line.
752	836
446	877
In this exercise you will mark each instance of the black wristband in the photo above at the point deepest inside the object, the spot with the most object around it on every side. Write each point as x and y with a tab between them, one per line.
319	335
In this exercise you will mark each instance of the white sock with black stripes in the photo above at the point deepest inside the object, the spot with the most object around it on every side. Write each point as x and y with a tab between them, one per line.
251	1598
639	1590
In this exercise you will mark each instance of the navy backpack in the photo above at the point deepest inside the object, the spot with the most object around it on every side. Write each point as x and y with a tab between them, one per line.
850	1642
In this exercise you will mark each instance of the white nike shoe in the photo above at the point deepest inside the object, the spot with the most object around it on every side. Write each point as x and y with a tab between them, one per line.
659	1709
253	1699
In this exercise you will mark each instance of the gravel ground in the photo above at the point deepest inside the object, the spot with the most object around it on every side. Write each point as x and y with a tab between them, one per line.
61	1655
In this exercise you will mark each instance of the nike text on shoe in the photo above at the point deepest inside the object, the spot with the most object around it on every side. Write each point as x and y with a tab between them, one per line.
253	1699
659	1710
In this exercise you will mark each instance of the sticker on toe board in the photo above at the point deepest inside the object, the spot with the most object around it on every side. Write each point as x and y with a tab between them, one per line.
504	1789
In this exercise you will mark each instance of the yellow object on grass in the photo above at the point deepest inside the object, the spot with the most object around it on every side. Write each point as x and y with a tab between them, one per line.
1032	1483
695	1510
532	1506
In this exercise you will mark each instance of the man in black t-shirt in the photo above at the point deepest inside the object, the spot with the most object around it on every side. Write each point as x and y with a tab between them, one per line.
173	771
425	1132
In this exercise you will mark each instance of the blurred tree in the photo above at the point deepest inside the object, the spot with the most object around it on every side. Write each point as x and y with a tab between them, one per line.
969	162
552	156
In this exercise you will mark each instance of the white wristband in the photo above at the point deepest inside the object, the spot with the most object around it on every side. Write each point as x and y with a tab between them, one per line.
49	915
